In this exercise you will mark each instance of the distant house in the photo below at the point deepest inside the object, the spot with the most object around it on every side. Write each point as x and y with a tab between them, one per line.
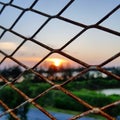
1	80
20	79
11	79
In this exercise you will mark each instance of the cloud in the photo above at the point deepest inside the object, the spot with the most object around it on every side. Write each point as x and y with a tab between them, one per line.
8	45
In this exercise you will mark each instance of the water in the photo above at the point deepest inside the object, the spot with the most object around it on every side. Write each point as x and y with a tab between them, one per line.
115	91
35	114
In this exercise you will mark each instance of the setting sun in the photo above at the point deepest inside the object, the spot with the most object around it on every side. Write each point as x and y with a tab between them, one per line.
56	61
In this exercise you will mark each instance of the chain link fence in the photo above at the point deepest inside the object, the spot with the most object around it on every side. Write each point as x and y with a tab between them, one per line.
60	87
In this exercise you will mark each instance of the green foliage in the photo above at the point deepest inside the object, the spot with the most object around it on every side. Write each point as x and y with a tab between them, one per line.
11	72
91	97
65	102
115	110
93	84
12	99
58	99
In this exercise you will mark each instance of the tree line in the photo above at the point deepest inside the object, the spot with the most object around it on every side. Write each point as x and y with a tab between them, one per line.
53	73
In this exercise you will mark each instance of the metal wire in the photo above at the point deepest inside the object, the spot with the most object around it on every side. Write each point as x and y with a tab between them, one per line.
87	67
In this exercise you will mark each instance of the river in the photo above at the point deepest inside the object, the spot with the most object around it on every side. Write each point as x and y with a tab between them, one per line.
115	91
35	114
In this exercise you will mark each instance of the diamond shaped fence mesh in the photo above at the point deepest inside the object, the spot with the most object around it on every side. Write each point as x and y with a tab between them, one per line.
17	16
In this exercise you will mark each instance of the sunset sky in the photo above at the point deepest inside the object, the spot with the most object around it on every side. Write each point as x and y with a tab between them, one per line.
93	46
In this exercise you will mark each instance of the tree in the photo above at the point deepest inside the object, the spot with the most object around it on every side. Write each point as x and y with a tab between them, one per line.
116	71
11	72
51	71
13	99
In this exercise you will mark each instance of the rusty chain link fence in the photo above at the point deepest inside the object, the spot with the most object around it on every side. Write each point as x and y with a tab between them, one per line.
60	87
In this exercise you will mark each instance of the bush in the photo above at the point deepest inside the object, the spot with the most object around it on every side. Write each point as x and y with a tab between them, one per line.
115	110
93	84
13	99
95	99
65	102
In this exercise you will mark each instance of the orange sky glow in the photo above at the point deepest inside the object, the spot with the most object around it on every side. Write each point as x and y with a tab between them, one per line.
56	61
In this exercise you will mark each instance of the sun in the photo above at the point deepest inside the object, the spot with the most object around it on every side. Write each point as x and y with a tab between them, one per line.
56	61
